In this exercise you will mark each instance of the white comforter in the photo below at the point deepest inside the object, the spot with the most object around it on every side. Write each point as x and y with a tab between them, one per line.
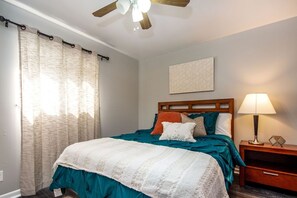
156	171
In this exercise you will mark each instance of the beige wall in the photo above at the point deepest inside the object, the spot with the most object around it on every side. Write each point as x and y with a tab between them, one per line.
118	86
259	60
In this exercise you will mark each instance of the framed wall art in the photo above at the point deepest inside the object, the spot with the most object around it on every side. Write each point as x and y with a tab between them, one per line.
195	76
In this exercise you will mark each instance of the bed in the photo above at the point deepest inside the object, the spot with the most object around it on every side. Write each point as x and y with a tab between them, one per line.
141	165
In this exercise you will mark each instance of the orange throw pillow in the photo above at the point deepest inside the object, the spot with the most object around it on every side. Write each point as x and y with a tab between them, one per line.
165	117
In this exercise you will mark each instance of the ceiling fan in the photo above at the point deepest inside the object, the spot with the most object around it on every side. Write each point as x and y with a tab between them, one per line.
139	9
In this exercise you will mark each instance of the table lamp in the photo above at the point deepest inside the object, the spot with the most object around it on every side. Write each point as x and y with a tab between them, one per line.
256	104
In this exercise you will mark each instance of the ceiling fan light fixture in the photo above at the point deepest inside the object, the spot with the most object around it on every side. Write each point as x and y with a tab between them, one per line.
123	6
136	14
144	5
139	9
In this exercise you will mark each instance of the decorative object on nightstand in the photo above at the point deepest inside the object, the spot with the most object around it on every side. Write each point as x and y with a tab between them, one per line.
277	140
256	104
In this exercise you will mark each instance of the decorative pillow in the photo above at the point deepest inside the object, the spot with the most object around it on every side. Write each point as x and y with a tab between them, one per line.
210	120
178	131
223	125
199	129
165	117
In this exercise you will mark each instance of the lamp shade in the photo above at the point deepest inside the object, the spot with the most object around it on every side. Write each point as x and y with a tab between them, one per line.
123	6
136	14
144	5
256	103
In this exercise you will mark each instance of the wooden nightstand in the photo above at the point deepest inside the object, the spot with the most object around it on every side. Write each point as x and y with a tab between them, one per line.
269	165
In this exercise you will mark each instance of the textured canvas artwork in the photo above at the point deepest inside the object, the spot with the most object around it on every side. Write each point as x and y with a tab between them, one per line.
193	76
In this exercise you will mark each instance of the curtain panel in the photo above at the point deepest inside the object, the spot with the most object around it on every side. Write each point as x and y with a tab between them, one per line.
60	104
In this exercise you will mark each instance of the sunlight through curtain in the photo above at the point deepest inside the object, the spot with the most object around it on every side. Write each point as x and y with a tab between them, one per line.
60	104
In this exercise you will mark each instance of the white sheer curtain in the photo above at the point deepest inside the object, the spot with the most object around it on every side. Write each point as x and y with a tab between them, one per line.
60	104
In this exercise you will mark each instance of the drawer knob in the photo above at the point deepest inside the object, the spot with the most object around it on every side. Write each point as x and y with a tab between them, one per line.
268	173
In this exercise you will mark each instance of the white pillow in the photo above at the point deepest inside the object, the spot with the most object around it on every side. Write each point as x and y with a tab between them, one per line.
223	125
178	131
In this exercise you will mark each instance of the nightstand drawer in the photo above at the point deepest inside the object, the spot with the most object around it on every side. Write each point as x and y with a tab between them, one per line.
271	178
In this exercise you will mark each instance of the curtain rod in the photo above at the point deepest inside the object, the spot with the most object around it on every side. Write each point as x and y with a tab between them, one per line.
50	37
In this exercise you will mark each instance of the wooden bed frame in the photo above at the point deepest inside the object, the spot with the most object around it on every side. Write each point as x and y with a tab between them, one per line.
201	106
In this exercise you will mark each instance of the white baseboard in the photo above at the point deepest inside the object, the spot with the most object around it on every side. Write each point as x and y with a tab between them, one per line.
13	194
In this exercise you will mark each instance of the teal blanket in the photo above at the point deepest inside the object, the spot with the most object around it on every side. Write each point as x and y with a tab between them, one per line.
87	184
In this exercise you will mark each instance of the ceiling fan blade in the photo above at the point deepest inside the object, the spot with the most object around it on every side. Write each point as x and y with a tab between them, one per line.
145	22
105	10
180	3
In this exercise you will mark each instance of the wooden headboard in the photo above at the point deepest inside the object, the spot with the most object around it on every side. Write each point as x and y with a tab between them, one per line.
201	106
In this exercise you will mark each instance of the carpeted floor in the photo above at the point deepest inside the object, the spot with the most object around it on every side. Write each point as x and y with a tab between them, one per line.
249	191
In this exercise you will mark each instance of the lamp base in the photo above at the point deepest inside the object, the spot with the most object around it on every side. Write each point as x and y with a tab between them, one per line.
255	142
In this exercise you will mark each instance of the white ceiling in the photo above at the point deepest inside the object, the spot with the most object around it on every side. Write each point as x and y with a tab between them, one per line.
172	28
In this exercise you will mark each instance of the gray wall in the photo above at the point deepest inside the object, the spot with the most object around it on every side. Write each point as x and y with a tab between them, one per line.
258	60
118	86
